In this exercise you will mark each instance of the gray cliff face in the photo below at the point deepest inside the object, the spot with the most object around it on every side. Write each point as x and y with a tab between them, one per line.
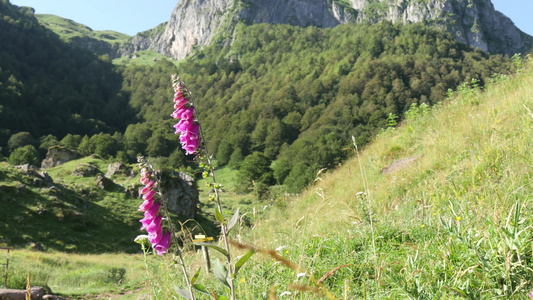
195	23
473	22
318	13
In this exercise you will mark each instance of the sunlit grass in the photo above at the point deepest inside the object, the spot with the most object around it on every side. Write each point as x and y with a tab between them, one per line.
74	274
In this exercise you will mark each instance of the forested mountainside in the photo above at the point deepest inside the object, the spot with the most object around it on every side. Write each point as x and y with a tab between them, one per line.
46	87
284	96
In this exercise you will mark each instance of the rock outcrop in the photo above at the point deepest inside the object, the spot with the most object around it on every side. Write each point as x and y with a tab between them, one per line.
197	23
8	294
57	155
85	170
103	183
181	194
119	168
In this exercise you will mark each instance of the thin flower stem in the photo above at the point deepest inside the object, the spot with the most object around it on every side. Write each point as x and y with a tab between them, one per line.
173	235
367	192
203	151
219	207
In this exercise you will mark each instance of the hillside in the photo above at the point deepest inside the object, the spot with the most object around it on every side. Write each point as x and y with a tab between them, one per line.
67	212
83	37
49	88
454	223
290	96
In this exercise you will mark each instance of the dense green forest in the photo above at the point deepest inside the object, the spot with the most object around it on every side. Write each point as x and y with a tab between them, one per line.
281	99
48	88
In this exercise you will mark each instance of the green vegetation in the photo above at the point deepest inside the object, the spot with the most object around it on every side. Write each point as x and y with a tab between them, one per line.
141	58
73	214
285	101
68	29
56	90
78	276
296	95
454	224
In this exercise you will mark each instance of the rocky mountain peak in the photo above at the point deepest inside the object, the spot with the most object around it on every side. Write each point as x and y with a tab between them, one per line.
196	23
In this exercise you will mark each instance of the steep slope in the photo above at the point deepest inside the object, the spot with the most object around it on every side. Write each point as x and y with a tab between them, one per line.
47	87
81	36
195	24
454	223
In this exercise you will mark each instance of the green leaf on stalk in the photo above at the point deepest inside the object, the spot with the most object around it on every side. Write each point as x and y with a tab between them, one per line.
222	298
219	216
201	289
221	273
195	277
224	252
233	220
183	292
243	259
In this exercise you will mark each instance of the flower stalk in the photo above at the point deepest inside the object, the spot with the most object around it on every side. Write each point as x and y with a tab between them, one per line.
193	142
152	221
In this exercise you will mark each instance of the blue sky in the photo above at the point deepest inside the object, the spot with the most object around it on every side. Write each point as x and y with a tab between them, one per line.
133	16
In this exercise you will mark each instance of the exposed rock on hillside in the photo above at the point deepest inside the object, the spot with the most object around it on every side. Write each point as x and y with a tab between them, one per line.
57	155
196	23
119	168
102	182
182	195
85	170
95	45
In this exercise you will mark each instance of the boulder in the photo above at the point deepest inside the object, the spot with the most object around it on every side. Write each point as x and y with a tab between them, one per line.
47	179
103	183
181	194
85	170
57	155
37	292
39	178
27	169
119	168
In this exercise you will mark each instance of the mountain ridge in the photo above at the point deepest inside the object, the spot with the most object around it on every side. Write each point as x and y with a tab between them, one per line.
195	24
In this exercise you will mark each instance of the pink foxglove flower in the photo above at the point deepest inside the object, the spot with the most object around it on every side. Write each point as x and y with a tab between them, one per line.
152	212
145	222
149	196
146	205
145	180
187	127
163	244
154	230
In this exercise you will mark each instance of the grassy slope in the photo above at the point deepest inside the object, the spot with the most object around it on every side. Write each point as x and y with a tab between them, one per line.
446	227
142	58
78	275
67	29
74	215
